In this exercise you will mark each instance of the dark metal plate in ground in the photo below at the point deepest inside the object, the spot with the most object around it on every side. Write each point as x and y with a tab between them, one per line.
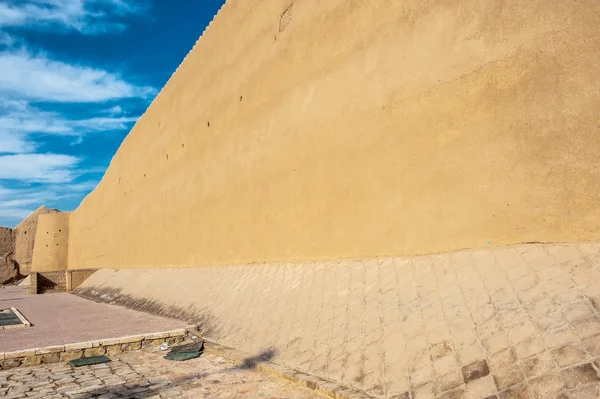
193	347
181	356
8	318
88	361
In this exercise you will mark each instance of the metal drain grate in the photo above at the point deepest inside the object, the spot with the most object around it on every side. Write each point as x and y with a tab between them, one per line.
12	318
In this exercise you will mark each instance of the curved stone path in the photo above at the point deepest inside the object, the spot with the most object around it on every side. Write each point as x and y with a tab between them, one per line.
515	322
146	375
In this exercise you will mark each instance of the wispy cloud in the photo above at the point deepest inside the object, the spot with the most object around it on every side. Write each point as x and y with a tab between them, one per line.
6	39
41	168
22	125
15	143
25	78
18	203
40	96
38	77
116	110
18	120
84	16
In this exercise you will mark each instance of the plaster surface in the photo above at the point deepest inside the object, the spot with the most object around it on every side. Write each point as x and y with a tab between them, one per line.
51	243
24	236
339	129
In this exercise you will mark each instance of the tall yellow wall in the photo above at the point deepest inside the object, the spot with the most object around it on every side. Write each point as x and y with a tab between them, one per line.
51	247
363	128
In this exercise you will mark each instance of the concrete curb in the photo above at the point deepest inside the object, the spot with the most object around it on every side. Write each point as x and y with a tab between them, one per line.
25	322
106	346
322	385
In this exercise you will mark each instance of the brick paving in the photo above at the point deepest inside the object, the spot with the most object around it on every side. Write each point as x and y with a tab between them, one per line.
515	322
144	374
63	318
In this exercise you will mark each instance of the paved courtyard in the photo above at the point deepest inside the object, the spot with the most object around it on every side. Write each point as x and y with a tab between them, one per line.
515	322
63	318
145	374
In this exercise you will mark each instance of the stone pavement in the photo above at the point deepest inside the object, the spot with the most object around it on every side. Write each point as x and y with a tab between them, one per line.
63	318
514	322
144	374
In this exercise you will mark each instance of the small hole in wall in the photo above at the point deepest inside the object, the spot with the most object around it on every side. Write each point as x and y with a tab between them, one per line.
144	175
57	245
24	232
46	245
59	230
208	124
241	98
182	145
167	156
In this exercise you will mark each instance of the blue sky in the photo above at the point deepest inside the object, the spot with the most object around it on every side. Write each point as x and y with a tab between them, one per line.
75	75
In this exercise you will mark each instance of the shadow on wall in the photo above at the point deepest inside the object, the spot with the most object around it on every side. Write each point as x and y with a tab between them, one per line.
44	285
207	325
146	389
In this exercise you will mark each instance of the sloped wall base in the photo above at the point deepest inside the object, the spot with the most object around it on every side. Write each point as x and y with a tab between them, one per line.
480	321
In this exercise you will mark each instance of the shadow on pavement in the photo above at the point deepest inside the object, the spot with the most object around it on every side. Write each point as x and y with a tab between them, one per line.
156	386
252	362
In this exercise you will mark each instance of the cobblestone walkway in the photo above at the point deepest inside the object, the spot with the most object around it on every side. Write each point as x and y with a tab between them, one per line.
147	375
516	322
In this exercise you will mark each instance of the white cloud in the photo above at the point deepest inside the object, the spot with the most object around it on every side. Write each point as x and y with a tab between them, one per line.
41	168
38	77
21	124
18	118
6	39
16	203
84	16
29	179
11	216
116	110
101	124
15	143
25	78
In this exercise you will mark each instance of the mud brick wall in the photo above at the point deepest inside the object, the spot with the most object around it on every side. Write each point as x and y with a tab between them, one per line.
76	277
341	129
51	243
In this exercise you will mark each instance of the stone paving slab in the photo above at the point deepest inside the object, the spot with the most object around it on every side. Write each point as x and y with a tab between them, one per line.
263	363
514	322
145	374
62	318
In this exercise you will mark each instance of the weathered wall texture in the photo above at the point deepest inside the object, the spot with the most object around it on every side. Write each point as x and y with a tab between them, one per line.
9	271
25	237
8	268
359	128
7	242
51	243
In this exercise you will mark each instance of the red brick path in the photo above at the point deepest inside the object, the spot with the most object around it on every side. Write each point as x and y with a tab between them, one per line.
63	318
